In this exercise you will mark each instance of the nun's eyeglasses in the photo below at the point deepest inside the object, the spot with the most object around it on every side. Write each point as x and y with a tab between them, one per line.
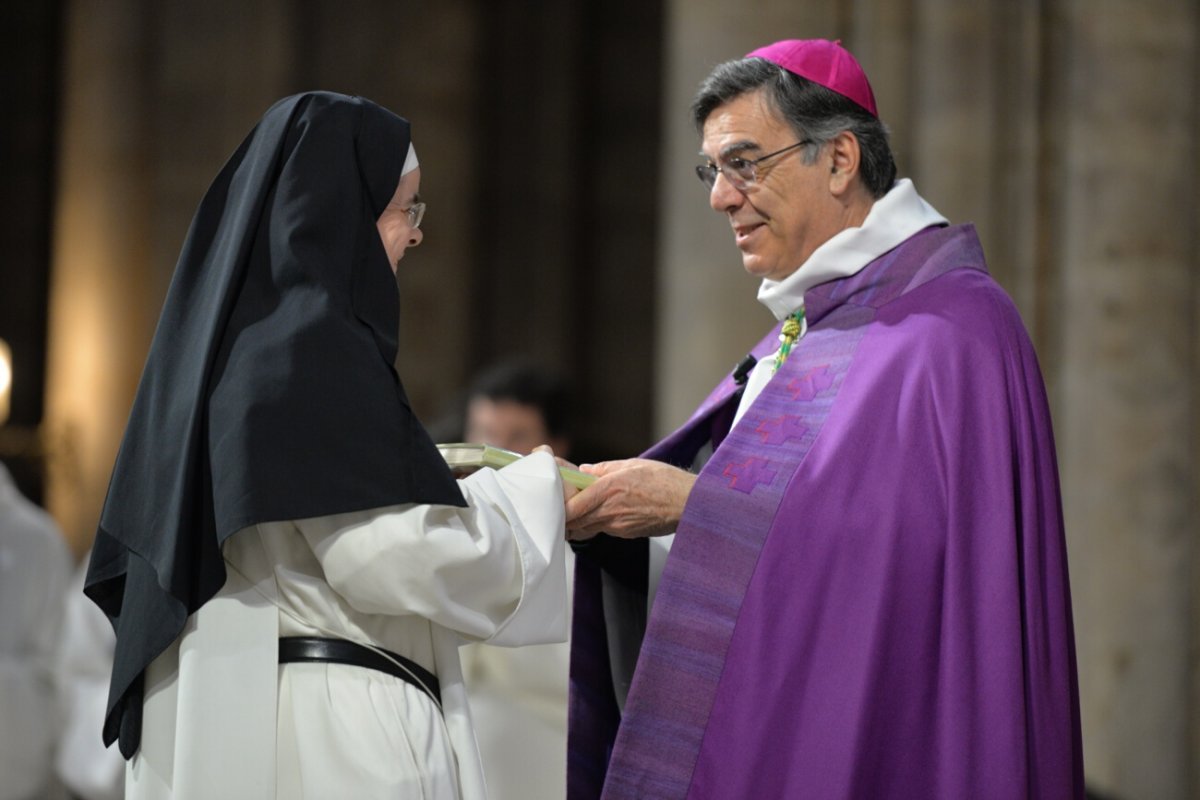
740	172
416	212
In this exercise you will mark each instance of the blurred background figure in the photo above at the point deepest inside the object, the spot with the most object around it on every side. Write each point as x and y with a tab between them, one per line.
518	696
83	664
518	405
35	568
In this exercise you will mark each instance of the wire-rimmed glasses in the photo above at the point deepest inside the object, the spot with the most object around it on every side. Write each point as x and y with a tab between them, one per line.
742	173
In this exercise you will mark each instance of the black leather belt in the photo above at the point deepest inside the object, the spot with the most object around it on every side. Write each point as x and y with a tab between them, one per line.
293	649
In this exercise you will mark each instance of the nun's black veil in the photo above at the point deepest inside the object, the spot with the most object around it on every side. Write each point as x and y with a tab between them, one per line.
269	392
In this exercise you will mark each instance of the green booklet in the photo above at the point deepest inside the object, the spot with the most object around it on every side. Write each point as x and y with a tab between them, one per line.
473	455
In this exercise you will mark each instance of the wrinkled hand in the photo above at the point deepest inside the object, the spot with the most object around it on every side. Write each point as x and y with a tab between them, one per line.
630	499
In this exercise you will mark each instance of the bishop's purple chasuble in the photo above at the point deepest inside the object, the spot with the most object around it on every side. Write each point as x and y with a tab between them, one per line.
867	595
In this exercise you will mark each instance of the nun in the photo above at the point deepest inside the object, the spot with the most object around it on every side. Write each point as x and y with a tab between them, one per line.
288	563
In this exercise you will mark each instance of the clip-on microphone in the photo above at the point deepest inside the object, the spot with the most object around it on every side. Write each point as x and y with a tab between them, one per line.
741	373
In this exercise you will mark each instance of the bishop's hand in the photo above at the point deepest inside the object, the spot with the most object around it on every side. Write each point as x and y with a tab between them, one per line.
630	499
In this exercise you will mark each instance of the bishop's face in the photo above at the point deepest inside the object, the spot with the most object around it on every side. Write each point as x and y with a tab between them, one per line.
788	210
395	224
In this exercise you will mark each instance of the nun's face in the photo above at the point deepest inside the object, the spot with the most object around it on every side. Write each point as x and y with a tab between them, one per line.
396	223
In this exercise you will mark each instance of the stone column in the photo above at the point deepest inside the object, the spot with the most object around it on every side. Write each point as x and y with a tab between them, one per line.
1128	385
101	314
707	312
156	97
419	60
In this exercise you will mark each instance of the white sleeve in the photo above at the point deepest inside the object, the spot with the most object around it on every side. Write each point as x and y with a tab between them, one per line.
493	571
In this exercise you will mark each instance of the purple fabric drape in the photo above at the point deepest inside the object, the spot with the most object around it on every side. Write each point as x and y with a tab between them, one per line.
867	595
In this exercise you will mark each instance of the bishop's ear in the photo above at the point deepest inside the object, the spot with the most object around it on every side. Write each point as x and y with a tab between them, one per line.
844	157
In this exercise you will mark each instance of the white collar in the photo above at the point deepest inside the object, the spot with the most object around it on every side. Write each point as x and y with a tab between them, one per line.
892	219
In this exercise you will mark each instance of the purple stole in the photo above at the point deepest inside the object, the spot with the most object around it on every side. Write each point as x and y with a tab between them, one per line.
729	513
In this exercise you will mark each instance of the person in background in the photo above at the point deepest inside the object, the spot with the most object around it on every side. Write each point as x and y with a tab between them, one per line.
287	561
83	663
518	695
517	405
35	568
867	593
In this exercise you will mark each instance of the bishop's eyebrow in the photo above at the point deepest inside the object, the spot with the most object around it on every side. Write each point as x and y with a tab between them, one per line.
735	149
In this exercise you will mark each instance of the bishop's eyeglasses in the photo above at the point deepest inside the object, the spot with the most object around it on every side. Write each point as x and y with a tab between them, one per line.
740	172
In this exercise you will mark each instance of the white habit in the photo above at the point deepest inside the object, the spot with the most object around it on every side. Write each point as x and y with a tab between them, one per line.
518	700
224	719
